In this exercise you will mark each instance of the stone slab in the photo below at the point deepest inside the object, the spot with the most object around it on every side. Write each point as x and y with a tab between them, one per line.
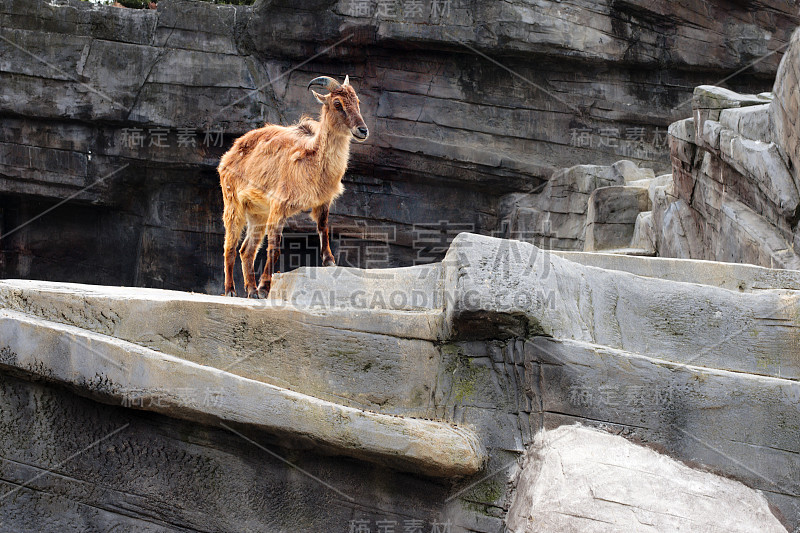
734	423
515	286
576	479
416	288
737	277
123	373
380	359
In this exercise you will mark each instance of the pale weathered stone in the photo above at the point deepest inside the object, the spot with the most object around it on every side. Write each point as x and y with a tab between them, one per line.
536	292
557	216
761	162
373	357
576	479
123	373
719	98
693	413
524	340
750	122
611	216
644	238
736	277
399	289
785	107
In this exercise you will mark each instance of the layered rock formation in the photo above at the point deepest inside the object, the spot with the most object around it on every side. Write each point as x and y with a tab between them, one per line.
736	193
587	207
396	402
432	395
733	195
126	112
558	212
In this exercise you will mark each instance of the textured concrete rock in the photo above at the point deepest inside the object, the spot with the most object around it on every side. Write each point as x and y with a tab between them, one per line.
733	198
70	464
396	289
576	479
684	366
533	292
785	107
711	99
736	194
736	277
452	133
513	340
557	217
123	373
612	215
363	356
693	413
752	122
644	234
762	163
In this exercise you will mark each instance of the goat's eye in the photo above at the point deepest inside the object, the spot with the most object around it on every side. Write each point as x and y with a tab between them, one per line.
337	104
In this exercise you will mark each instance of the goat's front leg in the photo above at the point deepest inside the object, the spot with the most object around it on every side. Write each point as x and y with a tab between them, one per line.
274	236
320	216
252	242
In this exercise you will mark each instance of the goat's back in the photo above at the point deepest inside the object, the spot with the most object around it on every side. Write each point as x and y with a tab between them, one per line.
268	140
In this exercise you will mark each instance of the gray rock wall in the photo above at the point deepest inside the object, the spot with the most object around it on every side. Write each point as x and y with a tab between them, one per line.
509	340
152	473
735	194
594	83
786	106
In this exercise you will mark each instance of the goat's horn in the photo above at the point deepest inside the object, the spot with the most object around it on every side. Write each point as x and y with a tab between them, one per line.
326	82
346	80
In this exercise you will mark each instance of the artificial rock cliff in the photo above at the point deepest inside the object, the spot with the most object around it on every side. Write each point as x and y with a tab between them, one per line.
127	111
441	394
733	194
736	190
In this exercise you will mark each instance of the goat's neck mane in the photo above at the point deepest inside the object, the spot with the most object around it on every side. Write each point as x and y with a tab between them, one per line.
331	145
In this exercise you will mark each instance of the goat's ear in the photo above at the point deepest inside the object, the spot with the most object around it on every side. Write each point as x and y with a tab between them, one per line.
346	80
320	98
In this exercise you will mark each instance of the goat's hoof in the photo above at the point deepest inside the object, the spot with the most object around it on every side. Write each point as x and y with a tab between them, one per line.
263	289
252	293
328	262
230	293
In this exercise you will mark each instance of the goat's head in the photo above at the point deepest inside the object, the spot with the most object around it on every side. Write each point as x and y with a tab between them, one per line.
342	106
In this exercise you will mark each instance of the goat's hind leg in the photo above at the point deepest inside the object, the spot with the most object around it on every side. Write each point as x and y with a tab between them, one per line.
256	228
234	221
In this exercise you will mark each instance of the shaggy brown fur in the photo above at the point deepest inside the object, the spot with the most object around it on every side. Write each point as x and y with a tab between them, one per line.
274	172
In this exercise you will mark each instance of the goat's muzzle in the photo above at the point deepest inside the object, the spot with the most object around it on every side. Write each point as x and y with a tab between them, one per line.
360	133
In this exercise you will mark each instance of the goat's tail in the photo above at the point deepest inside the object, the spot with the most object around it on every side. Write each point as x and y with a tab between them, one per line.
227	181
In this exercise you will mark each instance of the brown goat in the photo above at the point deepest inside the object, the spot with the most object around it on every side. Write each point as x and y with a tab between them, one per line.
274	172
